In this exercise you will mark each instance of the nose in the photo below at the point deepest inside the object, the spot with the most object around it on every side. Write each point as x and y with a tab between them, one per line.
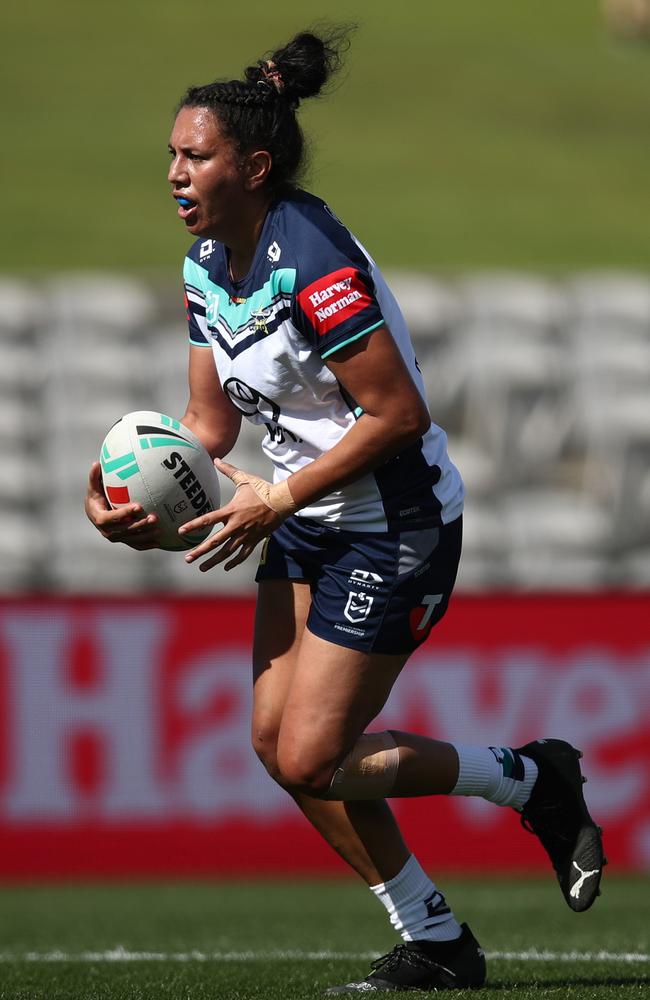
177	173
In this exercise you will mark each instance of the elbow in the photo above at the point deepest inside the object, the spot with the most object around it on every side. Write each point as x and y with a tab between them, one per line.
424	422
414	423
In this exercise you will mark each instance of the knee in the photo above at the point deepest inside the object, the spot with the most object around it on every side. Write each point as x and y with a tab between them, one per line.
265	745
304	771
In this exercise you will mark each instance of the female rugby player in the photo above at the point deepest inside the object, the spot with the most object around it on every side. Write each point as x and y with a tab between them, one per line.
292	326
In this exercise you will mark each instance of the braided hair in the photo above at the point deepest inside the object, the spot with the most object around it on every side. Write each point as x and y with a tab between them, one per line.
259	112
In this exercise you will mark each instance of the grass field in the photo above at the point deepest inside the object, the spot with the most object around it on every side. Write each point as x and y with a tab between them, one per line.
284	941
465	135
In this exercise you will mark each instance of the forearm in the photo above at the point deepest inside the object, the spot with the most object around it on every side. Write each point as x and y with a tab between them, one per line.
366	446
219	439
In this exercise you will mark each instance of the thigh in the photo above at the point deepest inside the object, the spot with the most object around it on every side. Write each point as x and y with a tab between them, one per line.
334	693
282	609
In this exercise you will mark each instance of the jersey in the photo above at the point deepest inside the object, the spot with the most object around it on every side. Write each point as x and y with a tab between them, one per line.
311	290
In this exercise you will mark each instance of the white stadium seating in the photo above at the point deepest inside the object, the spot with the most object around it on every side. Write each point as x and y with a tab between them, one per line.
543	387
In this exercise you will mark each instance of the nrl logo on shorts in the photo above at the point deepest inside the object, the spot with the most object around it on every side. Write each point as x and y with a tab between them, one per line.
358	607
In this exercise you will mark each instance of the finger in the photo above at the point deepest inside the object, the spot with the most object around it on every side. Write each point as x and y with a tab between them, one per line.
148	521
205	521
95	495
149	533
209	544
120	518
226	468
95	481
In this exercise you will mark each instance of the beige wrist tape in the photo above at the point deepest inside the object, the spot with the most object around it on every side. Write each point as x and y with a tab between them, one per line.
277	496
369	770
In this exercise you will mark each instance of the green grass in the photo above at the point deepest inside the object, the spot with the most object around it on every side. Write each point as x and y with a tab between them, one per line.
465	135
266	918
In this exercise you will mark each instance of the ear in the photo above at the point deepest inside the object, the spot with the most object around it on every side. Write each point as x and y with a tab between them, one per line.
257	169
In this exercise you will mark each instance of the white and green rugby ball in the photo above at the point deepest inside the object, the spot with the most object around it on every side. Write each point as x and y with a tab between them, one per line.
154	460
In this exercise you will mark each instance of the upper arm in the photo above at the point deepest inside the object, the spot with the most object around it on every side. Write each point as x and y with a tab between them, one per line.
334	300
209	413
374	374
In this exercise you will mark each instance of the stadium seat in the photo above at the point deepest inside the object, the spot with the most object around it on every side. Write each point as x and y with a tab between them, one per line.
20	366
603	296
24	551
563	519
557	539
430	307
100	302
20	418
633	569
169	355
21	309
189	579
84	562
527	303
479	471
482	565
22	482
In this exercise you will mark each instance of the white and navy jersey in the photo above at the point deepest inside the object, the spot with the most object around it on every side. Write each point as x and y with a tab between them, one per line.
311	290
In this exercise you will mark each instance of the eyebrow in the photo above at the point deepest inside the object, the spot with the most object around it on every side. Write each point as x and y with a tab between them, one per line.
185	149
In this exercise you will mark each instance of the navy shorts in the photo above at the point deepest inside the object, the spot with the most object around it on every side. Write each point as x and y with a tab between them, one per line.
379	593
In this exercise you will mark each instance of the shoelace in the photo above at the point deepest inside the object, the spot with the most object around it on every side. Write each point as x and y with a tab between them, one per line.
399	954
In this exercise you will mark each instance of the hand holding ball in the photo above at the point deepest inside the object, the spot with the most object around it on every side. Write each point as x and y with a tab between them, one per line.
154	460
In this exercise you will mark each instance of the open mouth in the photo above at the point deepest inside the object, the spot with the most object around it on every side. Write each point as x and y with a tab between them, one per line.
185	206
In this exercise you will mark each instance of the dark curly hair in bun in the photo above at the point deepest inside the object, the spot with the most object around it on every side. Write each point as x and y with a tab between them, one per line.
260	111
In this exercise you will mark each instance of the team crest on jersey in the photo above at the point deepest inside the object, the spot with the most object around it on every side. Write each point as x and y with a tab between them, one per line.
211	308
334	298
358	607
260	317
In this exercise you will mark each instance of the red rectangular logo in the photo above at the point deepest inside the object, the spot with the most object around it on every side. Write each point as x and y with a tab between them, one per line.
334	298
117	495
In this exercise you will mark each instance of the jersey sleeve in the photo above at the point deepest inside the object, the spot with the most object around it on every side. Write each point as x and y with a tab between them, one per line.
334	300
195	306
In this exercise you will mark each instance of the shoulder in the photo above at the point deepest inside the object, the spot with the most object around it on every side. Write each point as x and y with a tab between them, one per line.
197	261
317	240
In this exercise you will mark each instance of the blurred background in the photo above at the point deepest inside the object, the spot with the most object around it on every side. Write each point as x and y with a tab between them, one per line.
493	158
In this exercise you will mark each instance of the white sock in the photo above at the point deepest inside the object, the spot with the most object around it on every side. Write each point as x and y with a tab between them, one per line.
498	774
417	909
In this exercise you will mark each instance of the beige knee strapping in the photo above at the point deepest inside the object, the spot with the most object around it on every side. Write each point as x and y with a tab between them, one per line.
368	771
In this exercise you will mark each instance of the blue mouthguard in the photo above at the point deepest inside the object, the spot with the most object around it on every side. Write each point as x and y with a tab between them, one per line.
184	202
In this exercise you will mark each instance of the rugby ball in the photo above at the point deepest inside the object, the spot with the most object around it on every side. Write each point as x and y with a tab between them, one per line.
154	460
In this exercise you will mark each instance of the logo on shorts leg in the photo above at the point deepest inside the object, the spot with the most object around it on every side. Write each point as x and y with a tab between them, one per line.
358	607
422	618
365	578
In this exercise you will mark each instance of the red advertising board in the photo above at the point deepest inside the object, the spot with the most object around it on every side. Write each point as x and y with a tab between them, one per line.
124	745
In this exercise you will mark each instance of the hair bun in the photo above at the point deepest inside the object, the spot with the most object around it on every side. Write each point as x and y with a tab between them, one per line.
302	67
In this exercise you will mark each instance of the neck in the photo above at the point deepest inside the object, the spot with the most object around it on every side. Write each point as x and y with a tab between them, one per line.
244	241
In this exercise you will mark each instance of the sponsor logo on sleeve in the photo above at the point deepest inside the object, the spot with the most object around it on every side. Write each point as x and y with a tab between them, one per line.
334	298
207	248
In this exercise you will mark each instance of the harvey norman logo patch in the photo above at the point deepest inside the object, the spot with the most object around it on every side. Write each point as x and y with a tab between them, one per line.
334	298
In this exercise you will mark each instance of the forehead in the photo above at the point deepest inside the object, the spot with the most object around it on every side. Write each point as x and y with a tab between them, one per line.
196	127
